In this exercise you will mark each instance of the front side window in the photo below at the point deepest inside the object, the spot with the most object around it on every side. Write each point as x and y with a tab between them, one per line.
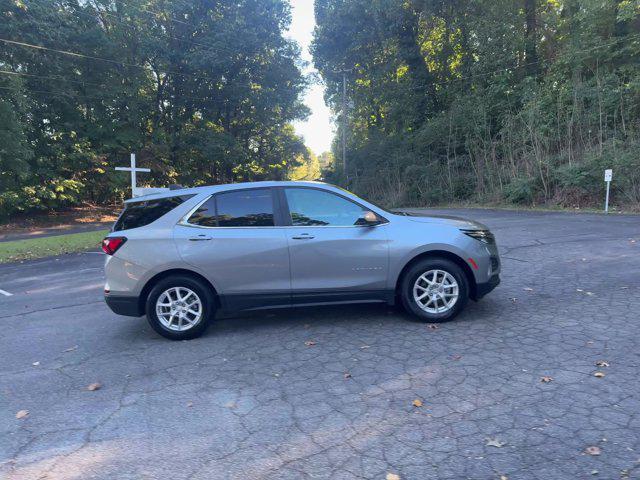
311	207
139	214
240	208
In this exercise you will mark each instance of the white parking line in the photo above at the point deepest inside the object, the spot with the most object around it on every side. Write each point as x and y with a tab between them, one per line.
5	293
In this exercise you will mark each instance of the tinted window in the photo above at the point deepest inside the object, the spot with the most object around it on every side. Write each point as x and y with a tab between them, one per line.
310	207
242	208
139	214
205	215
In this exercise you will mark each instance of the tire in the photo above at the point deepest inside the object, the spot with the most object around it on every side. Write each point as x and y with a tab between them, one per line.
180	285
427	266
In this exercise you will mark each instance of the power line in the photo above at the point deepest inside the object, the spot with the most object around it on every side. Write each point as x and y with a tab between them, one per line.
52	77
90	57
101	97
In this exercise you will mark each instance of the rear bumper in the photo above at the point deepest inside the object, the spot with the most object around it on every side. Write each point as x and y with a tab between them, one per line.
128	306
483	288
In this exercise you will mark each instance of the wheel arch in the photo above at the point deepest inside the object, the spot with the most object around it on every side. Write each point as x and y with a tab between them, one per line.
142	298
473	292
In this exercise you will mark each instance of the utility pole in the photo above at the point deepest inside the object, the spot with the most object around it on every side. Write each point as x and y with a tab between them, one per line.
344	122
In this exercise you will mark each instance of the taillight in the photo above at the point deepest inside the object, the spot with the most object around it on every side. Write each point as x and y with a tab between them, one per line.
110	245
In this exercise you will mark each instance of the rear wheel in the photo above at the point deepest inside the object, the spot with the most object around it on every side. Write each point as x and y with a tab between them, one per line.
434	289
180	307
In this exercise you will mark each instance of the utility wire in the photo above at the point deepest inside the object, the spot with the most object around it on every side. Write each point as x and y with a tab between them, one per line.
91	57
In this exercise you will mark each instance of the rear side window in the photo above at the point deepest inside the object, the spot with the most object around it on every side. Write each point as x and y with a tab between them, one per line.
139	214
240	208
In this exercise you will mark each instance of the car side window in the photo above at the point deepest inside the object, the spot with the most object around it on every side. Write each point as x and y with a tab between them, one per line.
239	208
312	207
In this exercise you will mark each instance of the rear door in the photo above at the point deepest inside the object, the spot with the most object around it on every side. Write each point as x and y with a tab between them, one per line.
233	237
333	256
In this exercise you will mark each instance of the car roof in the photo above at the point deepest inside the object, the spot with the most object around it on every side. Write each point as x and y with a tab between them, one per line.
210	189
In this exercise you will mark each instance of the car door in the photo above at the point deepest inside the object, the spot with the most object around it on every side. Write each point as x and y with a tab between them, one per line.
233	238
333	256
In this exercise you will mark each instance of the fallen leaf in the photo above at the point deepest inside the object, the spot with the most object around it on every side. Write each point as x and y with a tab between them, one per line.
494	442
602	363
593	450
309	343
35	364
432	326
393	476
417	402
546	379
22	414
599	374
347	375
528	289
70	349
94	386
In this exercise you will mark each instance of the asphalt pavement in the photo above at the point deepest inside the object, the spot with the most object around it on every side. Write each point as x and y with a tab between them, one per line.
538	380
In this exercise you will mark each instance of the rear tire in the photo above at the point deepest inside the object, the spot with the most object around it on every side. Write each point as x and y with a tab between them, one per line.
180	307
434	290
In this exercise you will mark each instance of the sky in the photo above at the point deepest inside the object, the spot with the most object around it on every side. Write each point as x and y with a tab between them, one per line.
318	129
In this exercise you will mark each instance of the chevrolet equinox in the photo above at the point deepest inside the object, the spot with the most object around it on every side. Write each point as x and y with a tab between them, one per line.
181	255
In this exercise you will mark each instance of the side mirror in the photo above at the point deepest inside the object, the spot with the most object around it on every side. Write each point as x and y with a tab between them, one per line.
368	219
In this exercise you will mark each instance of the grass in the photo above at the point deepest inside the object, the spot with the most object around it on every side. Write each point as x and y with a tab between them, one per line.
47	246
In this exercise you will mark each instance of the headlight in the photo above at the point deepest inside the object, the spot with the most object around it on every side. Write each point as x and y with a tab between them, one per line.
485	236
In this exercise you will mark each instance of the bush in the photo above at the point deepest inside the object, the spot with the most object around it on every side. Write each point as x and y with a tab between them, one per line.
55	194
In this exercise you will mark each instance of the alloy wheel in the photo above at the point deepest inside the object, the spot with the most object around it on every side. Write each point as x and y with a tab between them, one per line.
179	309
436	291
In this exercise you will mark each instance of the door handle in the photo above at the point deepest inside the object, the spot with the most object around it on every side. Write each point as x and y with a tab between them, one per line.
303	236
200	238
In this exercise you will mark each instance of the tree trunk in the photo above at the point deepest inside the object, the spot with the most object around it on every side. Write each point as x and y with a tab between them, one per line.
531	52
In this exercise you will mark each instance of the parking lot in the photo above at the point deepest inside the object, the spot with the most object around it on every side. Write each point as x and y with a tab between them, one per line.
539	380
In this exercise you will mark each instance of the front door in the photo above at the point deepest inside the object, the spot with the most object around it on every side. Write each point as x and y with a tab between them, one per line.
332	255
233	239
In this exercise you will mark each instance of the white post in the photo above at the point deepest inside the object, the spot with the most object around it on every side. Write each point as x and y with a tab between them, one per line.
133	173
608	174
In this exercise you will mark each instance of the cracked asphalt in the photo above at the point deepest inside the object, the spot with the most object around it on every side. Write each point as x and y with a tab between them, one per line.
250	400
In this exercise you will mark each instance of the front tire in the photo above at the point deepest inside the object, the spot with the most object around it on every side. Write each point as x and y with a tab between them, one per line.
434	290
180	307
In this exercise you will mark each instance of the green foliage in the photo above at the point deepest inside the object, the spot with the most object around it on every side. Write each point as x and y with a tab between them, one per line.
519	101
203	92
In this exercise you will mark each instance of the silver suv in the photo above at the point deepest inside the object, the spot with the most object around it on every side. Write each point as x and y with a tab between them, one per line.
180	256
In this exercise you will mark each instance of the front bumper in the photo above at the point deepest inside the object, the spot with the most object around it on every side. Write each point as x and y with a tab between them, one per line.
483	288
128	306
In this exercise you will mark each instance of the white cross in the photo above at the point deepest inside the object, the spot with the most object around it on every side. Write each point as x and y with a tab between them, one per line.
133	171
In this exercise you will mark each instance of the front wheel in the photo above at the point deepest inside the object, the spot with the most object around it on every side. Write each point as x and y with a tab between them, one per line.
180	307
435	290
